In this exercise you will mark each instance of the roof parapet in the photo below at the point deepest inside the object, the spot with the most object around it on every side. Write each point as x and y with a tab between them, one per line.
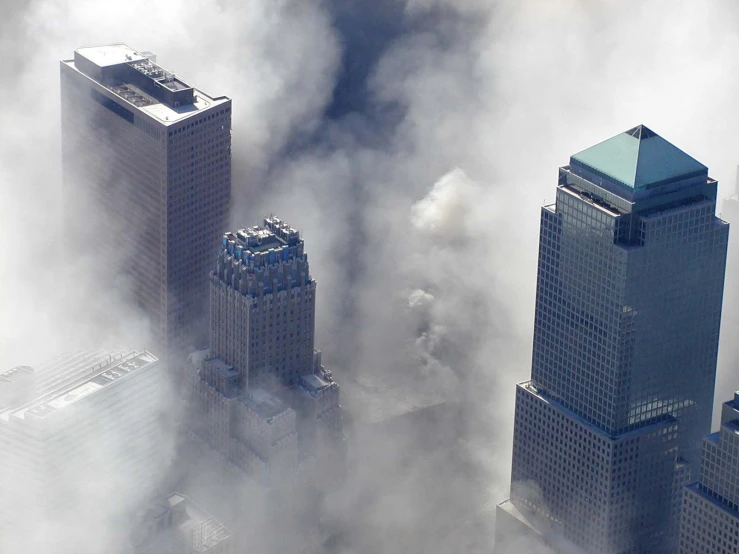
117	65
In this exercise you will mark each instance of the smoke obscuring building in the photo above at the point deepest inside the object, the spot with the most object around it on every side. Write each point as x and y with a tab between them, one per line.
710	507
177	525
262	397
147	181
628	306
76	431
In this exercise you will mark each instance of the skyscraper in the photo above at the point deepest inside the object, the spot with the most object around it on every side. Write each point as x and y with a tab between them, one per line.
710	508
147	181
75	430
262	302
266	400
628	306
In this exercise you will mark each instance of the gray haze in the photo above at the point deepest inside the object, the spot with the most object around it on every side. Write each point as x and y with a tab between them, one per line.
413	150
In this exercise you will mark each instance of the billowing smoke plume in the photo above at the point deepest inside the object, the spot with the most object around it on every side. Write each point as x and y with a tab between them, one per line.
425	273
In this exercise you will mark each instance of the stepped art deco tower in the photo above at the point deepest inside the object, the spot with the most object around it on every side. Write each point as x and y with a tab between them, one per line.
147	182
262	398
628	304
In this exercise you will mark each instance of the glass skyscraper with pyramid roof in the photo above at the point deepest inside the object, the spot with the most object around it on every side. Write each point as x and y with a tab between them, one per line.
628	306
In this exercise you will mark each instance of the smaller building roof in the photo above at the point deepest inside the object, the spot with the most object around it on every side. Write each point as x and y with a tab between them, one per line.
639	158
178	524
313	383
221	367
99	379
263	403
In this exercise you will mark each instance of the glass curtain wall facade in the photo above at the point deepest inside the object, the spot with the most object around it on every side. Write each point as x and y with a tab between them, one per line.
628	307
710	508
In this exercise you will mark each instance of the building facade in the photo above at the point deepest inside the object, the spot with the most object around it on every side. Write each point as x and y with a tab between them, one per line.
74	431
628	306
710	507
177	525
262	303
147	169
261	395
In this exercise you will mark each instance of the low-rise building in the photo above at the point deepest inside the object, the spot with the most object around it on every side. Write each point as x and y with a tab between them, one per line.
710	507
177	525
81	428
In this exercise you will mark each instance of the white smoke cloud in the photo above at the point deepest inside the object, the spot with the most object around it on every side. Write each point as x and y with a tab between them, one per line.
426	276
447	211
275	59
507	92
254	52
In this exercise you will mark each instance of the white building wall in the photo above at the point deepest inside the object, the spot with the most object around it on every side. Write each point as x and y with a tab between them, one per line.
107	444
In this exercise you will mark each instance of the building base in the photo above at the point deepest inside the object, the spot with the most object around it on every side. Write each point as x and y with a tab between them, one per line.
520	530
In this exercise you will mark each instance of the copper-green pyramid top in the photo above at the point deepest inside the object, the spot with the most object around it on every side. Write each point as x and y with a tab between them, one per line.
639	158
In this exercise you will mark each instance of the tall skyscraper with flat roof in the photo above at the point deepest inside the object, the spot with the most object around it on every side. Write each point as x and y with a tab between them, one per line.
628	307
147	181
710	508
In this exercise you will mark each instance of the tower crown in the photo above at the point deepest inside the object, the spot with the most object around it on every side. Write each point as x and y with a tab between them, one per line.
637	160
259	246
262	260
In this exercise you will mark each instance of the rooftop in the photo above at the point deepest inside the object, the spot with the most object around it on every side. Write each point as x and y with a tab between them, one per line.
638	159
313	383
110	54
221	367
264	404
136	79
275	233
270	243
179	523
101	378
665	419
381	398
21	385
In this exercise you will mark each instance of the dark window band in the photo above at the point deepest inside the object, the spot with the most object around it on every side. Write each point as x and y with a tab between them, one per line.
112	106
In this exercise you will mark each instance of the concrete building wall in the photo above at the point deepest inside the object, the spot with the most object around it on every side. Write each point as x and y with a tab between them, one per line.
149	193
283	406
213	419
102	428
269	336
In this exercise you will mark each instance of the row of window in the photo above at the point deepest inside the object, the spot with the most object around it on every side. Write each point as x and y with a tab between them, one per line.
706	529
